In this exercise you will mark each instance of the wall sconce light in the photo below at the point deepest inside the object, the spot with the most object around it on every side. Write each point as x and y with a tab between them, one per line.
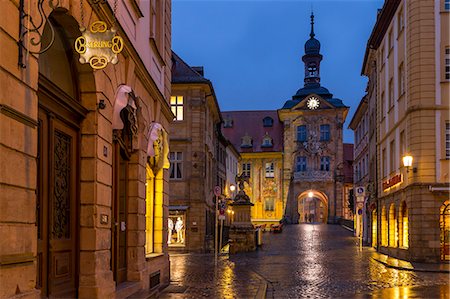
407	162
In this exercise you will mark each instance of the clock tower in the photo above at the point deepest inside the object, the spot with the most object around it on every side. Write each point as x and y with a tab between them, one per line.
313	164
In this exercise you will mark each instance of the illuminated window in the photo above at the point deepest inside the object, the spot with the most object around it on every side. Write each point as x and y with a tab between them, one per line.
393	233
374	228
325	163
301	133
176	165
176	229
246	169
384	230
301	164
269	204
176	104
153	212
270	170
324	132
447	140
403	226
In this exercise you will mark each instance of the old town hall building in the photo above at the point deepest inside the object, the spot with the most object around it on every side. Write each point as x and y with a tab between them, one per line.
300	148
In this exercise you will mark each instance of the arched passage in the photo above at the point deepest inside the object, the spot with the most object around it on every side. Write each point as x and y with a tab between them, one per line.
445	230
312	207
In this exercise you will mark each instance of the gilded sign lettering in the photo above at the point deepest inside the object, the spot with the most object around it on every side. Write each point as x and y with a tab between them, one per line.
395	180
98	46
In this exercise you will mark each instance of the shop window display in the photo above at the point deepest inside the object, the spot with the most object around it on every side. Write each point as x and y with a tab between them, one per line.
176	230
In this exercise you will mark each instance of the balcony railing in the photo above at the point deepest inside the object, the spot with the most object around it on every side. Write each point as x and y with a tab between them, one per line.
313	176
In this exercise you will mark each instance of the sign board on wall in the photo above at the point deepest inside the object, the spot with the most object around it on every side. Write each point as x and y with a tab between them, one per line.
393	181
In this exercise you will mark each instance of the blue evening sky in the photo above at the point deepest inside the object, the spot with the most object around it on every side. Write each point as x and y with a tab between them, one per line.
251	50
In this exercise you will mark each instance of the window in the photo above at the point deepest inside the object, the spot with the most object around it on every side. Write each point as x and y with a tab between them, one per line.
156	20
392	155
324	132
267	122
247	141
363	166
312	69
270	171
176	165
301	164
447	63
391	39
176	104
382	103
267	141
246	169
269	203
384	231
447	140
301	133
384	163
401	79
401	21
391	93
393	233
403	231
154	211
228	123
447	4
382	55
402	143
325	163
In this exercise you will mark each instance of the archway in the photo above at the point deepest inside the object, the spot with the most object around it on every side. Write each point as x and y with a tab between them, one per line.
312	206
445	230
60	116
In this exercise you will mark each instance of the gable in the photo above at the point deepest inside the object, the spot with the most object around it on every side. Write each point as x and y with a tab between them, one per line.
308	103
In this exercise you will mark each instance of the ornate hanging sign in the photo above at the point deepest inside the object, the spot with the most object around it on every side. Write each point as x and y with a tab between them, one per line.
98	45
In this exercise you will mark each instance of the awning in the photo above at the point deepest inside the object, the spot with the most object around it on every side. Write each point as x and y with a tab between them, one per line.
178	208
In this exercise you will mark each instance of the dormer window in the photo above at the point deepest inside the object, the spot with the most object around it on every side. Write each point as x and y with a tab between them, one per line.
228	123
247	141
267	141
268	121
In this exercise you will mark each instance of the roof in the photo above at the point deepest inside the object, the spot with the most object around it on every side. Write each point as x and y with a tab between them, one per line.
183	73
251	123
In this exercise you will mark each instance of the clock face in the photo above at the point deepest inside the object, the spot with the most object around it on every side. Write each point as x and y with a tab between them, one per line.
313	103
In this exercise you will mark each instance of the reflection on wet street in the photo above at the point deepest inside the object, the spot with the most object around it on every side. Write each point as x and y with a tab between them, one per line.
304	261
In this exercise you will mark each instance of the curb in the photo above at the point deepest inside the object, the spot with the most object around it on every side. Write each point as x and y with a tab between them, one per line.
262	289
409	269
347	228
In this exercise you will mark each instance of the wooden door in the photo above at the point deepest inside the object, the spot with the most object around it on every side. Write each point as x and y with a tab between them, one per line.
57	206
120	200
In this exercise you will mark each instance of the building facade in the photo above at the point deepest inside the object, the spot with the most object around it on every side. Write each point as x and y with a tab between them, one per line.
197	158
79	145
313	152
361	179
408	56
257	135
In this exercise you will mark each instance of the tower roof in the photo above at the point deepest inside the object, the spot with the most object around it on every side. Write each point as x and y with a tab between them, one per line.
312	45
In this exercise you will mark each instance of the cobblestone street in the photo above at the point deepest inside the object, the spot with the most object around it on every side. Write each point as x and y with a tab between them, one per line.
304	261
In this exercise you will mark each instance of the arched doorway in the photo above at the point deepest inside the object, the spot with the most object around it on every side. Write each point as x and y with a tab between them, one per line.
312	207
60	114
444	222
374	228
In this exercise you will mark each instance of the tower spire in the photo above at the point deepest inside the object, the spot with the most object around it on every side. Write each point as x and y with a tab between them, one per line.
312	25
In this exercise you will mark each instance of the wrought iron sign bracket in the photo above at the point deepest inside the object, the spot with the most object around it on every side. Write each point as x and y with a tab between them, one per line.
31	29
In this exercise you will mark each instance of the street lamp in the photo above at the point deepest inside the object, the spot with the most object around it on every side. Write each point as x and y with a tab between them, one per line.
407	162
232	188
310	194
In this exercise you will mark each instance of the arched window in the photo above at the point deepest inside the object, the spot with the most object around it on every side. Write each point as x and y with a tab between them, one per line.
267	121
384	231
403	226
393	236
444	222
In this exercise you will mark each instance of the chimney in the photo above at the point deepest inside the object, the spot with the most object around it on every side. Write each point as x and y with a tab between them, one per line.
198	69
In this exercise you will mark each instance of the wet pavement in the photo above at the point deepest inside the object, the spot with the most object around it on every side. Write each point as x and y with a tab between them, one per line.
304	261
